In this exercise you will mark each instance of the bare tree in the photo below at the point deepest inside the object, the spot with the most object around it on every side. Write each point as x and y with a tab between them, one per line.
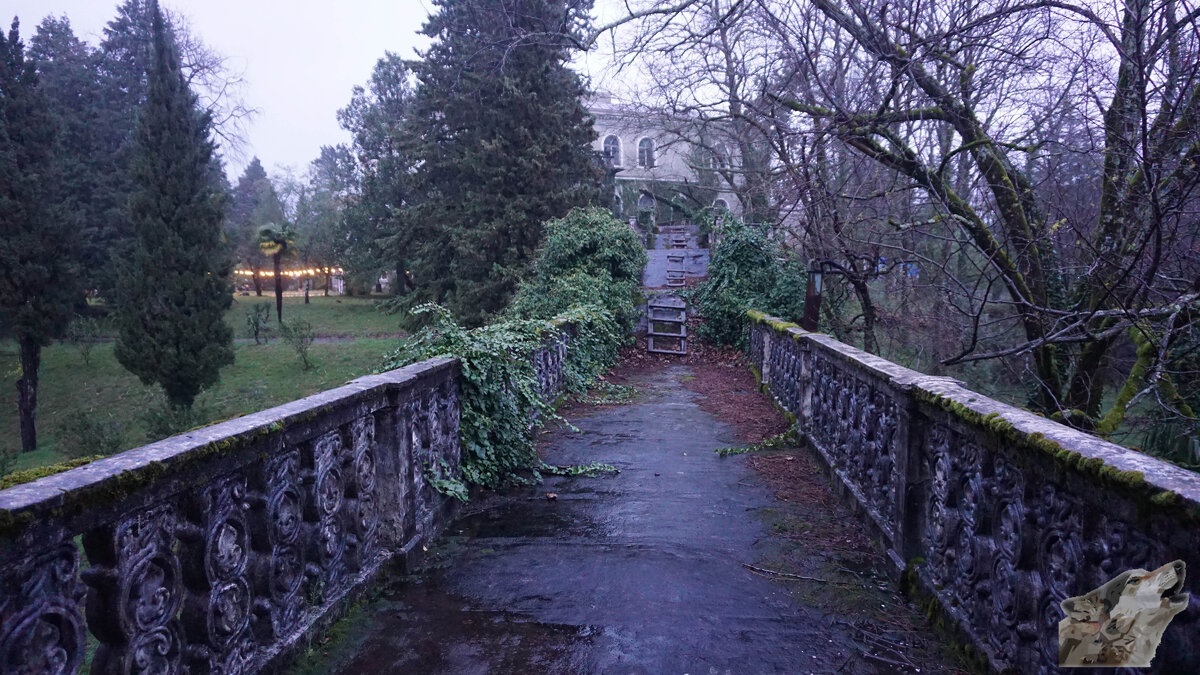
1042	159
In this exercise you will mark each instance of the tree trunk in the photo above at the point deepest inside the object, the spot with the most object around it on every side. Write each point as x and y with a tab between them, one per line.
27	386
328	280
257	283
870	344
278	289
307	286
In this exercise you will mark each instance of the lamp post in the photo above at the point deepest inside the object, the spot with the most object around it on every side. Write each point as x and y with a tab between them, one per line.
812	296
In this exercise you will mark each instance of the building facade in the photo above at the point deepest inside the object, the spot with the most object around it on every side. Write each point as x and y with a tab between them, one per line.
663	172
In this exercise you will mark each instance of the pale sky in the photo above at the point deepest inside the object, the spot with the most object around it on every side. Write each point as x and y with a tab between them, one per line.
300	58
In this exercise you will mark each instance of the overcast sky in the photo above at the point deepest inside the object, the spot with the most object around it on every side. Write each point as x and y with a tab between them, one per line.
300	58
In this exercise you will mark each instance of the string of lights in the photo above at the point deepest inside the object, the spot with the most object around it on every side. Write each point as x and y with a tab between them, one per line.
335	271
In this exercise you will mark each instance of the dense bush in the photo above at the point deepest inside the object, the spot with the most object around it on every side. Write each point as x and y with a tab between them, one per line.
747	271
585	280
586	258
499	392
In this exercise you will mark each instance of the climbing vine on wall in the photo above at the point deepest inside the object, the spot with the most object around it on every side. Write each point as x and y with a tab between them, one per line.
747	271
586	258
582	285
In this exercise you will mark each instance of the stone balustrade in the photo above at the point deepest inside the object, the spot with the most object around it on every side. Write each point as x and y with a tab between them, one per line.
997	513
220	550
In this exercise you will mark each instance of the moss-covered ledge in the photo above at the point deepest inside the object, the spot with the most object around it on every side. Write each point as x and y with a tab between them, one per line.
117	477
262	527
992	513
1121	469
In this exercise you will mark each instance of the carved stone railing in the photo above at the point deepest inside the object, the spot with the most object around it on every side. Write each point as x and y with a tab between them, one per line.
994	511
216	550
550	360
219	550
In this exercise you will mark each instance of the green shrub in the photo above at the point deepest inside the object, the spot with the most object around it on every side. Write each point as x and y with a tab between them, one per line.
300	335
500	397
258	323
747	271
586	258
164	419
83	334
587	276
87	435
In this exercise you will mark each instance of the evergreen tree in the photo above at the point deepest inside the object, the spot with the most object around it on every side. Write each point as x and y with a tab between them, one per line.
38	275
501	144
255	205
124	60
175	287
377	117
319	200
68	74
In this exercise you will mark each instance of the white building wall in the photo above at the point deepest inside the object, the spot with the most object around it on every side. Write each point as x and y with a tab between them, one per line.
674	158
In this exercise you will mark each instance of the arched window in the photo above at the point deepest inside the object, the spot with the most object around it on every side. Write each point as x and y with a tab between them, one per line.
646	202
612	150
721	205
646	153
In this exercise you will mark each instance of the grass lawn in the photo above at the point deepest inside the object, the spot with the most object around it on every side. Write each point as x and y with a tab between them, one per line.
333	316
262	376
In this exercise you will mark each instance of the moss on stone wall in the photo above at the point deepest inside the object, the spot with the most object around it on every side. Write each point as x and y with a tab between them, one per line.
1006	435
29	475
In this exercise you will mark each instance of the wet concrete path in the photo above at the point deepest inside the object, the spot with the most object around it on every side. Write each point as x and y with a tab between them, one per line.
640	572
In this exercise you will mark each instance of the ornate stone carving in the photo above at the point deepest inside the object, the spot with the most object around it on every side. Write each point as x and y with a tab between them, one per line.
939	522
324	524
362	517
278	562
215	546
1059	549
136	593
41	625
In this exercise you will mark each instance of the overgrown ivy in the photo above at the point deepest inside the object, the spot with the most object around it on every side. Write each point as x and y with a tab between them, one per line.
747	271
586	258
787	438
581	284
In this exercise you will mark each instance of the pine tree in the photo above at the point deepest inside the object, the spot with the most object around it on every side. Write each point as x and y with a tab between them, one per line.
175	287
38	275
373	235
68	74
501	142
255	205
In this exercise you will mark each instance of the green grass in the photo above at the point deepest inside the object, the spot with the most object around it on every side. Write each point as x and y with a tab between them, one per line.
261	377
333	316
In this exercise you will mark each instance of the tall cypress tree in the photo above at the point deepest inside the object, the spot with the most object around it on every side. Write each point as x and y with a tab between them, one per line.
501	142
175	287
38	275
